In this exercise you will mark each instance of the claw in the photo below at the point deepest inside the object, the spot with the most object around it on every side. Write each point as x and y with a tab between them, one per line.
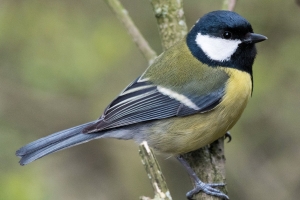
207	188
227	135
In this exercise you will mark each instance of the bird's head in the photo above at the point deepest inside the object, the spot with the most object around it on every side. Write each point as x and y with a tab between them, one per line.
224	38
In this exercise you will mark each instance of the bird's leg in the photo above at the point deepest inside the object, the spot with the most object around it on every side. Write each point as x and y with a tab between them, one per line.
228	135
207	188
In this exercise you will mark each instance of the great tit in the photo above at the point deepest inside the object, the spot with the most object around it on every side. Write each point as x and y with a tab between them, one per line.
191	95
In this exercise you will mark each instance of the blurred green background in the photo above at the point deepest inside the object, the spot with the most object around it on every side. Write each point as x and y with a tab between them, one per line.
63	61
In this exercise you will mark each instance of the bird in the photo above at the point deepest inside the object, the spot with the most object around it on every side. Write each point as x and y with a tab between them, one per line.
192	94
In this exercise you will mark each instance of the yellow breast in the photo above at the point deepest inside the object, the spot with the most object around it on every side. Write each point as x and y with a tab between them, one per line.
183	134
238	92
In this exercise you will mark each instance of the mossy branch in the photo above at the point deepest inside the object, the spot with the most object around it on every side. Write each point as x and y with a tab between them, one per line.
209	165
170	20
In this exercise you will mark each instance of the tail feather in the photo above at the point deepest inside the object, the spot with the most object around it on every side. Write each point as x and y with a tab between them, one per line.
55	142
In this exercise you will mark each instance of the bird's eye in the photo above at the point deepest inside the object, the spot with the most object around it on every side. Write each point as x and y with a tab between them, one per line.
227	35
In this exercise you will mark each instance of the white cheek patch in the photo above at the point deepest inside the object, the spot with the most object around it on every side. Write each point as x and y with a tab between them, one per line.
217	49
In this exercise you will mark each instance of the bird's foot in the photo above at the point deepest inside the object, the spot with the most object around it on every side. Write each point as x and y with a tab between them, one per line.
228	135
207	188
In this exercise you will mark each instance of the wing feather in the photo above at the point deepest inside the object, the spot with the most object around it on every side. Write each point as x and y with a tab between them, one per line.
142	101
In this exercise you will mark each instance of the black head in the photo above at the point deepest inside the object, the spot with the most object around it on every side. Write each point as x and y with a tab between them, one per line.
224	38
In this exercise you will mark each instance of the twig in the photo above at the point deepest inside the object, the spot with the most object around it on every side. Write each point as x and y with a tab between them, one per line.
154	173
171	21
229	5
137	37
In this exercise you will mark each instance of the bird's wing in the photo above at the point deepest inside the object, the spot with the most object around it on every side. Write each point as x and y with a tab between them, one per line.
143	101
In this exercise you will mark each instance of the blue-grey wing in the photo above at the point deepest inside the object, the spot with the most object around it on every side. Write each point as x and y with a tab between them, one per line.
143	101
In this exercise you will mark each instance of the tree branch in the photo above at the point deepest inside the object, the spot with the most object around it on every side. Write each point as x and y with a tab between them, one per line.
154	173
171	21
137	37
209	165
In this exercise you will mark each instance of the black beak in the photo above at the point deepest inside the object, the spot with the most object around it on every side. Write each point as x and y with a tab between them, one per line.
254	38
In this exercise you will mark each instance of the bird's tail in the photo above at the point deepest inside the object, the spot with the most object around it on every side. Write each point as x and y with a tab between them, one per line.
55	142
